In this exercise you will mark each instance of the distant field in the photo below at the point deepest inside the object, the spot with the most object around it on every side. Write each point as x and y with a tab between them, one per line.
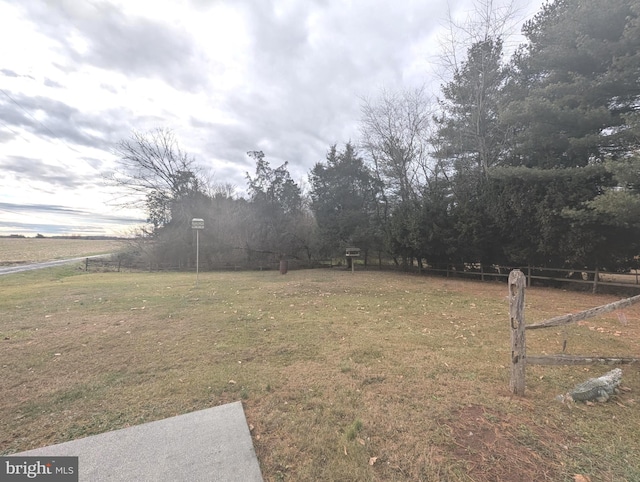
34	250
366	376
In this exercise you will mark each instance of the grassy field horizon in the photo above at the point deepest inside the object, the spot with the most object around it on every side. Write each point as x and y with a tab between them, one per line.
15	251
343	376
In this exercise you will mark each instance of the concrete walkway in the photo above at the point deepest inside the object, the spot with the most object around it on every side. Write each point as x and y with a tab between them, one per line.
209	445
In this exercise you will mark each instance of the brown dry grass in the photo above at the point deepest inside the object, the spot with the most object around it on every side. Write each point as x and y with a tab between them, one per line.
34	250
360	377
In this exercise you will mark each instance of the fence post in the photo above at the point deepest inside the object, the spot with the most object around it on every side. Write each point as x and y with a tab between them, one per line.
596	275
517	284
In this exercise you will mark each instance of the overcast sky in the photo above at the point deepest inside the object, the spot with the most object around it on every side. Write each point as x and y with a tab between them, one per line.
283	76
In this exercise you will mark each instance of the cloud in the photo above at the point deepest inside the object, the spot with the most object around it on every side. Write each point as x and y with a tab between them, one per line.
100	34
6	136
99	228
11	73
8	73
52	83
29	170
54	119
65	210
21	110
56	220
39	208
97	164
310	64
109	88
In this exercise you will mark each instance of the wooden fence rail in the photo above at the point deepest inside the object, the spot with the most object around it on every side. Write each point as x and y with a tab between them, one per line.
519	358
583	315
599	278
106	261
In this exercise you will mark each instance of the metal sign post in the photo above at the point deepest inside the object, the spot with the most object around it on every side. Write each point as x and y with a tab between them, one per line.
197	224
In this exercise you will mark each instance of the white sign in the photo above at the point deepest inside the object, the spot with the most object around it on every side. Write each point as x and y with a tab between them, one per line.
352	252
197	223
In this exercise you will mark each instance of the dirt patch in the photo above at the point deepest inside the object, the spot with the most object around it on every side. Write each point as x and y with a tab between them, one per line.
496	447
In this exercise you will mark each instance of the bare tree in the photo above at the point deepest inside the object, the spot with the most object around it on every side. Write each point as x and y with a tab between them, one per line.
487	20
395	134
156	172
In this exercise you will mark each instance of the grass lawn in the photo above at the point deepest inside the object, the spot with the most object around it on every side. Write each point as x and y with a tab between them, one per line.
344	377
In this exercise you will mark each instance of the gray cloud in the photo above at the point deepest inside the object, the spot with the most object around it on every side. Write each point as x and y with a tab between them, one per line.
134	46
6	136
99	228
8	73
11	73
65	210
97	164
310	64
29	170
109	88
52	83
66	121
71	125
39	208
62	220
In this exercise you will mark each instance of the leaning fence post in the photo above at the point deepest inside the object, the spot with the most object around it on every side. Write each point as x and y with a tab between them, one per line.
517	284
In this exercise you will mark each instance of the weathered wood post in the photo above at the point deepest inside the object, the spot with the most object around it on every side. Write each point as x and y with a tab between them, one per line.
517	284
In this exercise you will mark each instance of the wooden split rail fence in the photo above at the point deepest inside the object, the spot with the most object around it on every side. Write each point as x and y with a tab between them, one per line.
519	357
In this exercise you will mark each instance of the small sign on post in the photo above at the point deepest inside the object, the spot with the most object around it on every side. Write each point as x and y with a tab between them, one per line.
350	254
197	224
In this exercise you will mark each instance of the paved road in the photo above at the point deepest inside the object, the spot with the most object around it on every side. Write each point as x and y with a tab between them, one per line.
46	264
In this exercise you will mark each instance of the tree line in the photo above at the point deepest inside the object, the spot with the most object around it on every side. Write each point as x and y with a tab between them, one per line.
526	160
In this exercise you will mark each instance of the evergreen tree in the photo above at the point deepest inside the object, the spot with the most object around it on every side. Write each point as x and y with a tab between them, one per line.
343	198
469	135
575	85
